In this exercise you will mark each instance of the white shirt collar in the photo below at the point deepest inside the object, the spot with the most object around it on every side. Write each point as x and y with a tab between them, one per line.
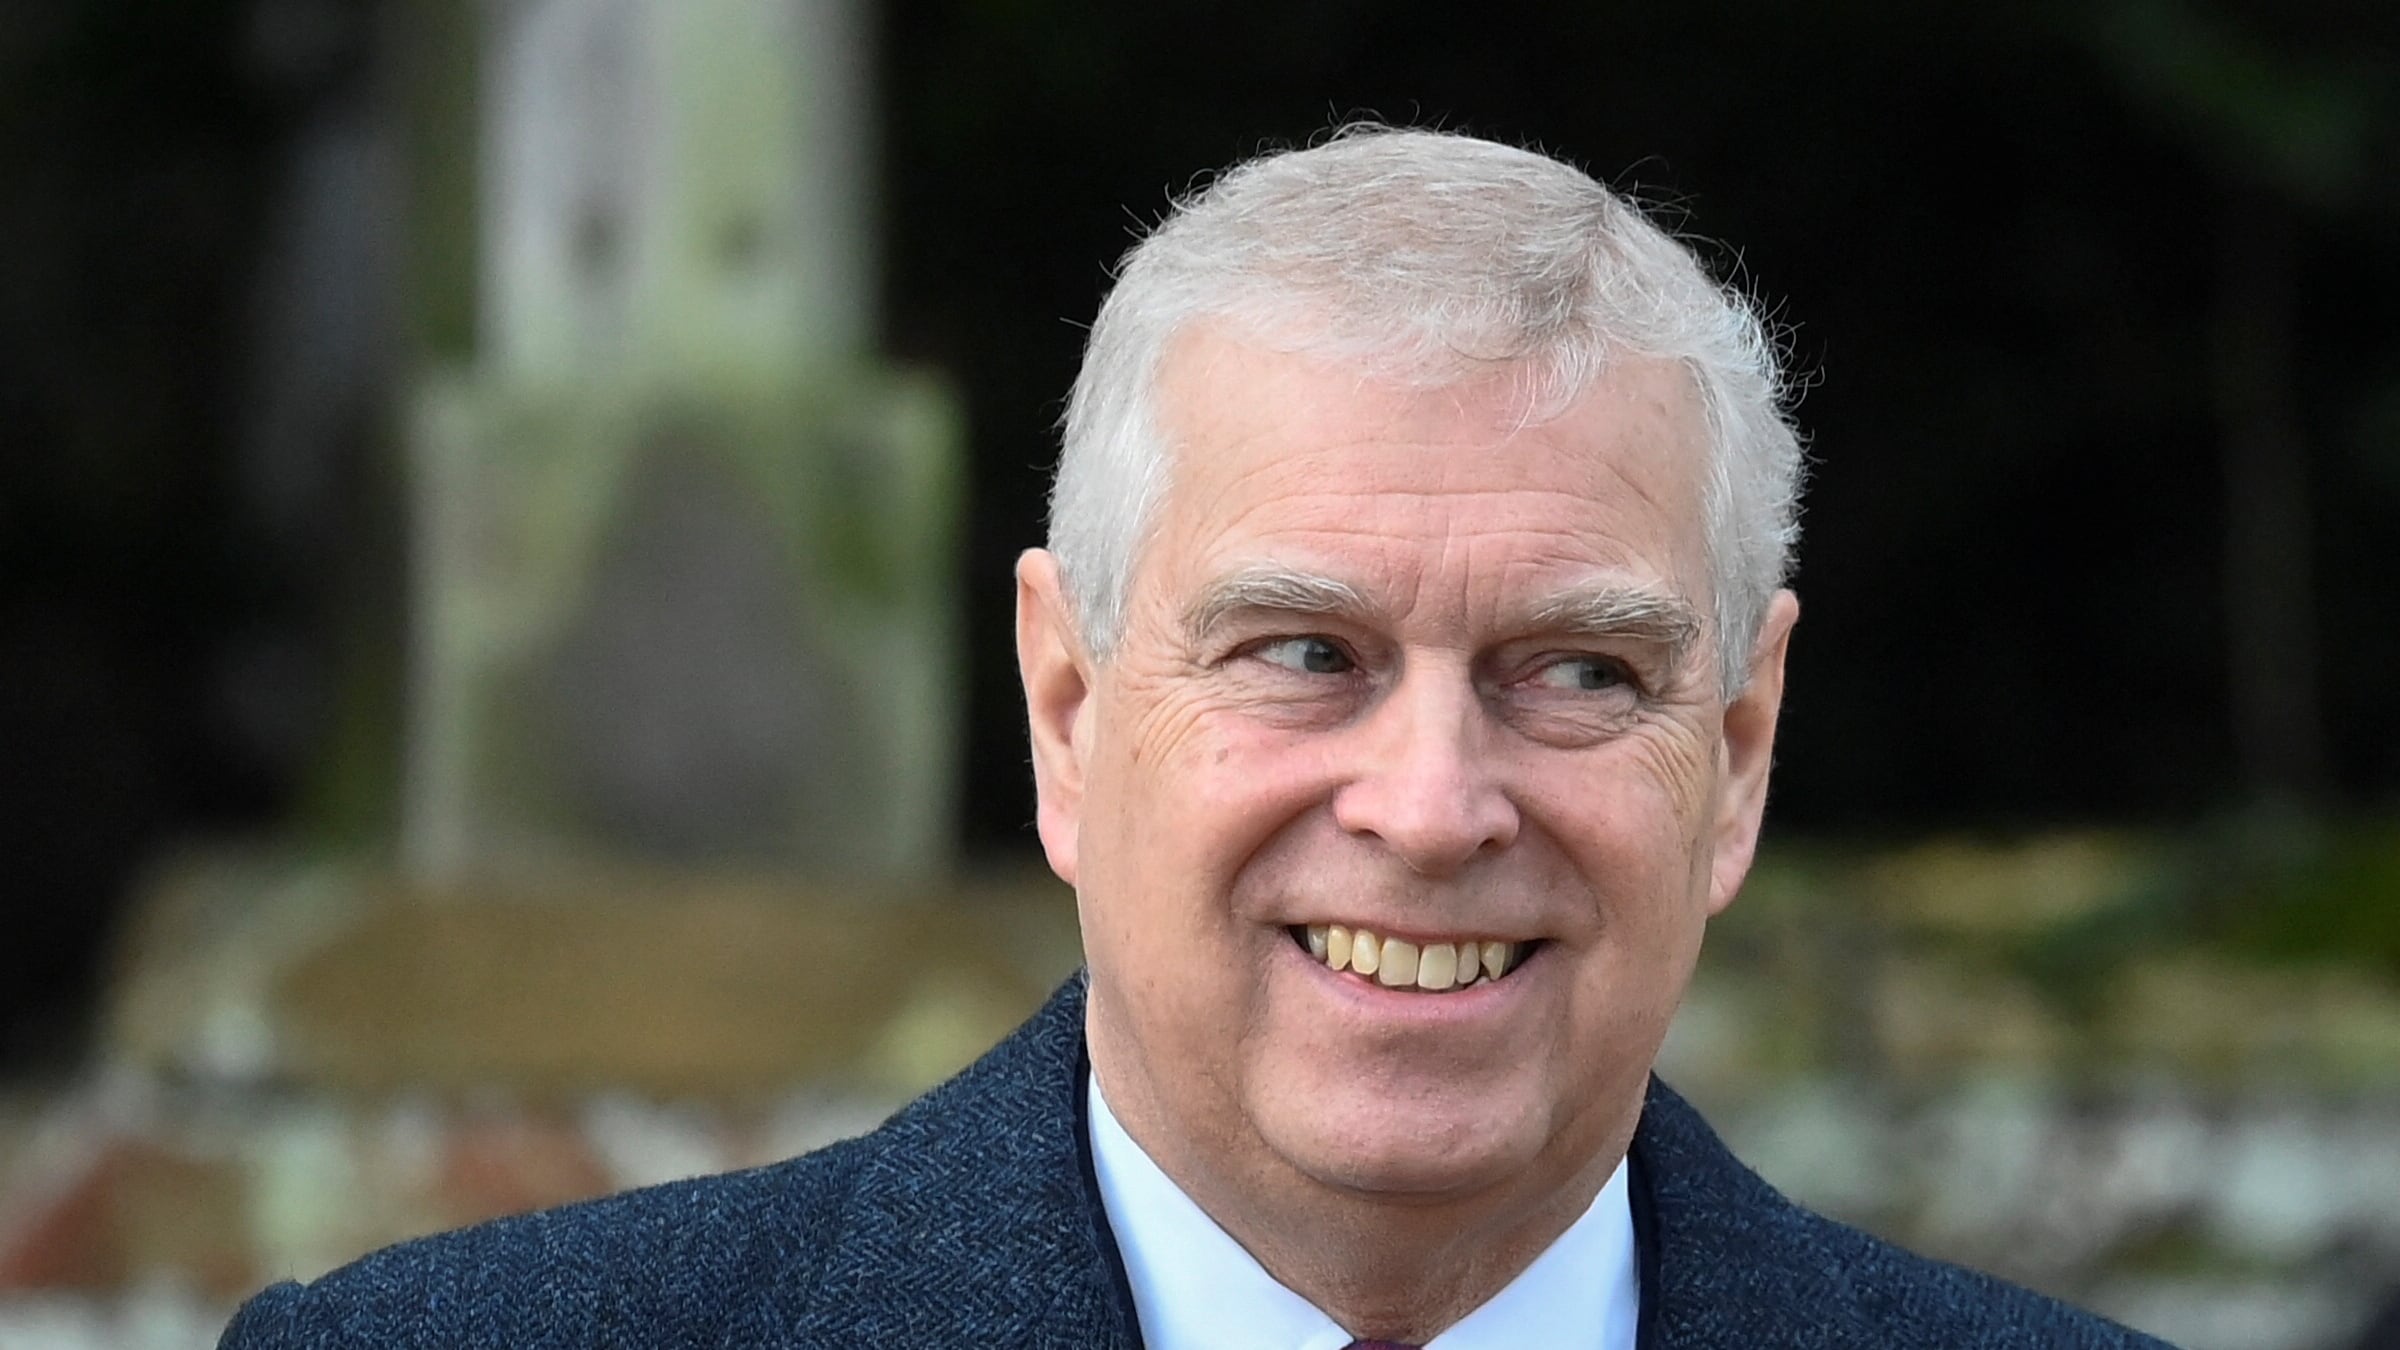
1194	1288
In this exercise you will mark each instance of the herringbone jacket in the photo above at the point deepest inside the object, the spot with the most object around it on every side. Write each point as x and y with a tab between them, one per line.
971	1218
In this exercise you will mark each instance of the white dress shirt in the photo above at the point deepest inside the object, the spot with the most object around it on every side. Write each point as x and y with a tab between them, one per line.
1194	1288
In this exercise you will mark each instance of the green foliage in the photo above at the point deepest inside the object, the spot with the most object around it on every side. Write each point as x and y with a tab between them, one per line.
2218	953
2276	893
2337	903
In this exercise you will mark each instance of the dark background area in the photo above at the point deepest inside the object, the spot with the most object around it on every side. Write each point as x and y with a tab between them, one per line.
2094	303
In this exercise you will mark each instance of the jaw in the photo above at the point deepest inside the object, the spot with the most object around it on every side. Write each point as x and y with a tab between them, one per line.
1237	1052
1395	1157
1328	1077
1397	1091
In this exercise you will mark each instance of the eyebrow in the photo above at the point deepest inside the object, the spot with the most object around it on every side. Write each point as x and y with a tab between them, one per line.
1616	610
1600	610
1277	589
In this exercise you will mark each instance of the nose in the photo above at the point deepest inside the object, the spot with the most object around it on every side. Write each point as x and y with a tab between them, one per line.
1428	785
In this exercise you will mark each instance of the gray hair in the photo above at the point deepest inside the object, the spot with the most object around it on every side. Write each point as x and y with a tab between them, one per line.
1429	257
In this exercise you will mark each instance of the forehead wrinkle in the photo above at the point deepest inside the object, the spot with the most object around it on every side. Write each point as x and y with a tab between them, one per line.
1401	514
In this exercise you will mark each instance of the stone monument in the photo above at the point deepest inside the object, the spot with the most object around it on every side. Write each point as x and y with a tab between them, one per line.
679	736
682	548
668	882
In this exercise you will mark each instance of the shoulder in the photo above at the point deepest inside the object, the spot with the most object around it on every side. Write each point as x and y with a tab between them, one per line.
608	1272
963	1218
1738	1264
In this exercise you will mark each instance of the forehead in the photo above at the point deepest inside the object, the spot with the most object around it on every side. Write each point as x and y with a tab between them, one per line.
1293	459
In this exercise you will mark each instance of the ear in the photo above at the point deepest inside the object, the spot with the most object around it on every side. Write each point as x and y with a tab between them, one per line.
1748	751
1058	677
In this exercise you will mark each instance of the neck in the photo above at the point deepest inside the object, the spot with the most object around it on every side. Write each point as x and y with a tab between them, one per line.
1406	1273
1385	1266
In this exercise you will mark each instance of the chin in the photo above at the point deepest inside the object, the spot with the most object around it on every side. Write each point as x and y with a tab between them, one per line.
1431	1150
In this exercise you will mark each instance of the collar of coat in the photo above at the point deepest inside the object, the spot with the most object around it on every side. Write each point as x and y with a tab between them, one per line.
991	1173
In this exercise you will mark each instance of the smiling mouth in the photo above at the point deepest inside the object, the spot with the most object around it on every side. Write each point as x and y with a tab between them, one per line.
1395	963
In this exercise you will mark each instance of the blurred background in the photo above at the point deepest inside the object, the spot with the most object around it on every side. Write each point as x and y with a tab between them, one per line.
506	510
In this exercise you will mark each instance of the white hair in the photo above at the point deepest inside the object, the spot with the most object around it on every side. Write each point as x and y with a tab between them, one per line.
1430	258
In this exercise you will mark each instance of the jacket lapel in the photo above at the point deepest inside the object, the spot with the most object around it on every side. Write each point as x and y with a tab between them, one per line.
972	1219
1708	1231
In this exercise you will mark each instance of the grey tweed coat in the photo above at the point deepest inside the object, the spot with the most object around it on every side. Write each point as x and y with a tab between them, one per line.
971	1219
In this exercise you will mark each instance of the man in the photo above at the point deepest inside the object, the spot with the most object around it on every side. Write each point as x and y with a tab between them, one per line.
1402	677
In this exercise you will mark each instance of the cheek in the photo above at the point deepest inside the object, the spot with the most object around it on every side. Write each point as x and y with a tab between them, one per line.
1652	774
1237	782
1631	819
1639	859
1176	819
1672	775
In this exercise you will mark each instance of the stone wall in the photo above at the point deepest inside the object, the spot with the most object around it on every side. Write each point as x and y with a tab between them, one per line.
2201	1142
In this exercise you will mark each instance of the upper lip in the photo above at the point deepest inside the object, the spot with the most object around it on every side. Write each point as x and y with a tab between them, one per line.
1420	936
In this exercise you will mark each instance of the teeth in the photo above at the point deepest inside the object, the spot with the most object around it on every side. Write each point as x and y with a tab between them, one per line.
1437	966
1400	964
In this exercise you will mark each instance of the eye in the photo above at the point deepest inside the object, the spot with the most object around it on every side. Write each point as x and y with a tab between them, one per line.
1584	673
1308	655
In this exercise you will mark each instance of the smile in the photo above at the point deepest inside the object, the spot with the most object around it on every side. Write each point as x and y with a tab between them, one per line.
1395	963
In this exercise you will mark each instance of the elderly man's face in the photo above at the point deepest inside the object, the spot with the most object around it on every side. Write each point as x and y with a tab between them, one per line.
1403	663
